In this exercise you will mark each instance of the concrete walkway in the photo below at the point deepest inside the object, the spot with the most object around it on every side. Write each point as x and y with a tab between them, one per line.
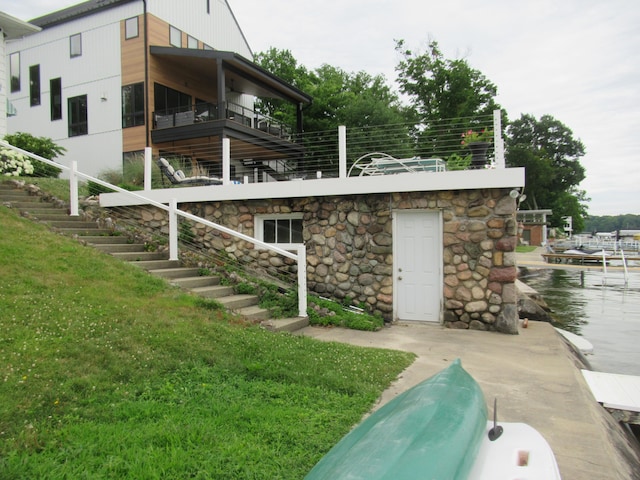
535	378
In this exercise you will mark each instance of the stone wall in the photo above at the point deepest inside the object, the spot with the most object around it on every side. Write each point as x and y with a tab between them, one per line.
349	248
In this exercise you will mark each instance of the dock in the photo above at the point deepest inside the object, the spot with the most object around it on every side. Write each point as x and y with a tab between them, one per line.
618	394
582	259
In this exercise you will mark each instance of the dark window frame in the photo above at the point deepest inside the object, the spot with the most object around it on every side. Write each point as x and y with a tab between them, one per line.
75	50
35	95
55	100
78	116
282	229
173	30
128	35
133	108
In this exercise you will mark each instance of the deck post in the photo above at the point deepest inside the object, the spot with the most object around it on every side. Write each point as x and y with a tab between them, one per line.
73	189
342	150
498	142
226	161
302	281
173	229
147	168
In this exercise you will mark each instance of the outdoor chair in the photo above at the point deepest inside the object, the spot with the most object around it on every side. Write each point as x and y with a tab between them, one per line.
177	177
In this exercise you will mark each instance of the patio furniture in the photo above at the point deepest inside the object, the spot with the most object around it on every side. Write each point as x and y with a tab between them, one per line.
177	177
378	163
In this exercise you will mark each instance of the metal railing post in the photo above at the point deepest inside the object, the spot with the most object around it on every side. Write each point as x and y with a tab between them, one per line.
173	229
73	189
147	168
226	161
497	140
342	151
302	281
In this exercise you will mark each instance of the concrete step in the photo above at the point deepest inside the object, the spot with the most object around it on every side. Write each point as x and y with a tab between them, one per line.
163	266
71	223
14	196
285	324
120	247
39	212
50	216
194	282
140	256
234	302
213	291
81	232
106	239
254	313
23	205
175	271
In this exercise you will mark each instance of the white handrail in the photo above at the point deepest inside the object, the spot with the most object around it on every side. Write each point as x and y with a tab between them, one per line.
173	213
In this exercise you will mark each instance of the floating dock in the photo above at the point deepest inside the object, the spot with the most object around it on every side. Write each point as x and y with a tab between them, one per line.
619	394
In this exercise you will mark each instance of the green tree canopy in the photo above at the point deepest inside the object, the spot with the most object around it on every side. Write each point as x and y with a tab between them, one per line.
447	97
551	157
365	104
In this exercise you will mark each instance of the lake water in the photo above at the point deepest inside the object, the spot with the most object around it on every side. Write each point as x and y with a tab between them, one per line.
607	315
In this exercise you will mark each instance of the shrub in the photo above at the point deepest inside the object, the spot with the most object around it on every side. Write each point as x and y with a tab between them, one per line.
14	164
325	312
41	146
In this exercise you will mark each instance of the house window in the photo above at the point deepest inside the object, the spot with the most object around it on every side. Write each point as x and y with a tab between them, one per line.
131	28
133	105
206	47
14	71
55	86
175	37
77	115
34	85
208	6
279	229
168	100
192	42
75	45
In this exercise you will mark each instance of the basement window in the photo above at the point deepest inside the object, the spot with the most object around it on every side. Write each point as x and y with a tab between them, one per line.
283	230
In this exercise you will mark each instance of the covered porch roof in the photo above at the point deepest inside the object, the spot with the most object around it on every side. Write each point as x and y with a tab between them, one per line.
233	71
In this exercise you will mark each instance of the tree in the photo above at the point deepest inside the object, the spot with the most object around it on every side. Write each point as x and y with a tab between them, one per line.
551	157
447	96
42	146
365	104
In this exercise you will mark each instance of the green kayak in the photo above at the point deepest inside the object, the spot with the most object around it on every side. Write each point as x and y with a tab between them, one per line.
432	431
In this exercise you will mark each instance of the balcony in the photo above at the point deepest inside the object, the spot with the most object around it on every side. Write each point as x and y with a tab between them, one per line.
209	112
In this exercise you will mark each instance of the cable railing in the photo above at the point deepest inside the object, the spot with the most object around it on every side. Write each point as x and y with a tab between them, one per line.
179	231
373	150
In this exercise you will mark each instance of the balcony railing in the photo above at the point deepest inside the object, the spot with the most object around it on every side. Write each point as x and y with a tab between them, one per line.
364	151
208	112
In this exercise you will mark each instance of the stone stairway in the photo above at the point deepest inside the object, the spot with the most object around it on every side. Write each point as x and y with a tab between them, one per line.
56	216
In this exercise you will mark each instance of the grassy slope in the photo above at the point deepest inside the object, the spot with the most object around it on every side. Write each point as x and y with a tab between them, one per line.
106	372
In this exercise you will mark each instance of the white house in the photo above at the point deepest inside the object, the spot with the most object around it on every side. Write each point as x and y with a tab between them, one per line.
107	78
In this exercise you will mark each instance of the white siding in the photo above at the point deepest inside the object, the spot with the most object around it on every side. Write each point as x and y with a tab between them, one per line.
217	29
96	73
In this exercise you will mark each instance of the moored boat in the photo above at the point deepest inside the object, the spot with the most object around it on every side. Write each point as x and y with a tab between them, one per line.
438	430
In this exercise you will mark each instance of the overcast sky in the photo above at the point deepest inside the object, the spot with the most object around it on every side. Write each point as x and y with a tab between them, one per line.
577	60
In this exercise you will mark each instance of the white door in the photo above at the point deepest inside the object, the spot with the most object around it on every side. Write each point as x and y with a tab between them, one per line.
417	257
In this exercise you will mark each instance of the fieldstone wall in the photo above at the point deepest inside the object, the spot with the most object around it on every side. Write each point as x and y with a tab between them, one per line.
349	245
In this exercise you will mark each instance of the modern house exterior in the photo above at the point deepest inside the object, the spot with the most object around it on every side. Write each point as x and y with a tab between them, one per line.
107	78
408	239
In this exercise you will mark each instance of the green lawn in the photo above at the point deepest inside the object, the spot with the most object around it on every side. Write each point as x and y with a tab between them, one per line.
107	372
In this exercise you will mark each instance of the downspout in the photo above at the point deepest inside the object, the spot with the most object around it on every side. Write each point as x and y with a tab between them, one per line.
146	76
